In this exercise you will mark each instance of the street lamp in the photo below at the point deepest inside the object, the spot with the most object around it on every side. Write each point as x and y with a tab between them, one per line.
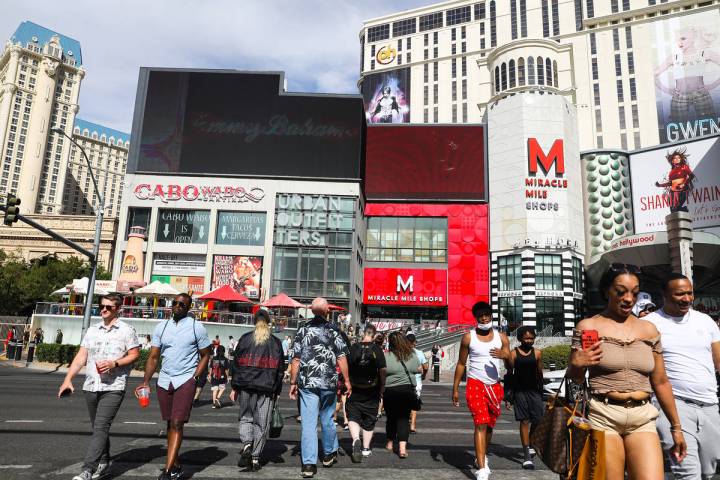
99	212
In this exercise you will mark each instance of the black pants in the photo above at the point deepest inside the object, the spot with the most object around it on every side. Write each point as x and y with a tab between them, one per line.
397	401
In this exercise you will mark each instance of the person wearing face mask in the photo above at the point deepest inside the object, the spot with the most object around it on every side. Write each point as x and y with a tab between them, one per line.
481	353
527	380
625	368
691	349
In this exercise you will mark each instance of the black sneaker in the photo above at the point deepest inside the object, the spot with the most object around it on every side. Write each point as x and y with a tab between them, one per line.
356	456
308	471
330	459
176	472
164	475
245	456
196	402
255	466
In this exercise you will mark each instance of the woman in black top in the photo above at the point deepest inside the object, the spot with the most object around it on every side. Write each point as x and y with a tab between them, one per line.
527	380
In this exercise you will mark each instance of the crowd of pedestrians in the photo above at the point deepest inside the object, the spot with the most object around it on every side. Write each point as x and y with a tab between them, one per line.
650	373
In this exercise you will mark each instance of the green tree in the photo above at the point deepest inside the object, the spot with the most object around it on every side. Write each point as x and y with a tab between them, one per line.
23	284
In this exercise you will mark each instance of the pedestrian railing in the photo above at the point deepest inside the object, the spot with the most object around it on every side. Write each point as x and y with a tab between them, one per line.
160	313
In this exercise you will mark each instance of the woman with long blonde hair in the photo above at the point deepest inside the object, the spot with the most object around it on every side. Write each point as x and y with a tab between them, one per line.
257	373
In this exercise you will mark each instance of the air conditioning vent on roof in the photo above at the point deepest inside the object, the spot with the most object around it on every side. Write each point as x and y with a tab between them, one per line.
34	38
70	53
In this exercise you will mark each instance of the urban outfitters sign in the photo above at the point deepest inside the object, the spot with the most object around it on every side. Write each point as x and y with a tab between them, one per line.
306	220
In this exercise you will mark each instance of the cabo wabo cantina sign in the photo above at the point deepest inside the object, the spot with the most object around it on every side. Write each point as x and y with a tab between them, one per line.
172	192
540	183
403	286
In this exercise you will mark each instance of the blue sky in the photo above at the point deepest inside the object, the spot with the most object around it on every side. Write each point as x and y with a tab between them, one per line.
314	41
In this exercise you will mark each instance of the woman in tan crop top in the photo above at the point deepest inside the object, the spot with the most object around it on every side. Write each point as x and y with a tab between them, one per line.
625	368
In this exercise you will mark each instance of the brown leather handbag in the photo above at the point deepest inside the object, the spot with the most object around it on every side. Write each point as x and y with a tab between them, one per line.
560	436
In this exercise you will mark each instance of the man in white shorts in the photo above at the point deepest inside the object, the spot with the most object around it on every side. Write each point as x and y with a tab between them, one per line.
691	350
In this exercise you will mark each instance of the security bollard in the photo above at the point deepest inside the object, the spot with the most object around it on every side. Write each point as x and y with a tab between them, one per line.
18	351
31	352
436	372
11	350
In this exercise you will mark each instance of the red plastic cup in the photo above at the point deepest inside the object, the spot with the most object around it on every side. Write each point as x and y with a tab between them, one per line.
144	397
97	367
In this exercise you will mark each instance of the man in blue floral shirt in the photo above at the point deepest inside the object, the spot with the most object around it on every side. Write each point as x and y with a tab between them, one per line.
318	349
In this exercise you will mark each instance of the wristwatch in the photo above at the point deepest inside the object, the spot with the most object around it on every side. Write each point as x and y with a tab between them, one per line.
115	364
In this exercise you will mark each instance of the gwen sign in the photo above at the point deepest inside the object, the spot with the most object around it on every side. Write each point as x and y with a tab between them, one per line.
405	286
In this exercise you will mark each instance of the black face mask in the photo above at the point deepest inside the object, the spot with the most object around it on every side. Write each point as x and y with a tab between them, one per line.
526	347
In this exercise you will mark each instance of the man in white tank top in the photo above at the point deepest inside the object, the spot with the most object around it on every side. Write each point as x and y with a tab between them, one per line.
482	351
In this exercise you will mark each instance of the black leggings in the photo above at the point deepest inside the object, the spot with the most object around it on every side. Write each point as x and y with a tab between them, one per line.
397	401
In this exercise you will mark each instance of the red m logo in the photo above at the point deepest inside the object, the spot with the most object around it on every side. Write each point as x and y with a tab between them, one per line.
556	156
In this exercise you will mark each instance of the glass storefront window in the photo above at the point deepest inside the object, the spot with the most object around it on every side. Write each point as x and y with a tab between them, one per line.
312	272
240	228
577	273
510	272
183	226
511	308
138	217
548	272
549	311
407	239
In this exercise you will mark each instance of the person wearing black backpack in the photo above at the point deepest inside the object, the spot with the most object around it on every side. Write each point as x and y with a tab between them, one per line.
366	365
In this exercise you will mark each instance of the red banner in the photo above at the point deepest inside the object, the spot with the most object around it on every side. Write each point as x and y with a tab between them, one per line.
404	286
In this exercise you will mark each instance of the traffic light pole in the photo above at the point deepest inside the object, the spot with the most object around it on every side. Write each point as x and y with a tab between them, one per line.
54	235
99	213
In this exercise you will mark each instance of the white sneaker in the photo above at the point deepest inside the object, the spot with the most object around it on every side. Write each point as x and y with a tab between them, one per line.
102	470
482	474
532	452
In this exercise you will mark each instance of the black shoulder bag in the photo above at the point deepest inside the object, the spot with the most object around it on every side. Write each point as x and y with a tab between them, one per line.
416	403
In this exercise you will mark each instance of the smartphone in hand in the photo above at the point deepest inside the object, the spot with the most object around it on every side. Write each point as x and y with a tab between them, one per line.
65	393
589	338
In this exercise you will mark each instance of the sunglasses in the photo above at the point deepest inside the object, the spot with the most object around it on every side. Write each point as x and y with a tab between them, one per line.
625	267
175	303
108	307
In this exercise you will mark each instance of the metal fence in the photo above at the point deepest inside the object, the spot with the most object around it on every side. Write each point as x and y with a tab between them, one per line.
161	313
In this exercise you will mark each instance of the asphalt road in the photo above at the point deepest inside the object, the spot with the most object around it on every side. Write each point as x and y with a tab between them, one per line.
46	437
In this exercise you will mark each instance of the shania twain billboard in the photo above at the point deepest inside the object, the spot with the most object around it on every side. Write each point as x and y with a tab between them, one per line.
682	177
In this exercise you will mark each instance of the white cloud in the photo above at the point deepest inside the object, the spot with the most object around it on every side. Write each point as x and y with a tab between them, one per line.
314	41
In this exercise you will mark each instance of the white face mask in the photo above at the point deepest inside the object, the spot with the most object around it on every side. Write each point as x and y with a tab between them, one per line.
484	326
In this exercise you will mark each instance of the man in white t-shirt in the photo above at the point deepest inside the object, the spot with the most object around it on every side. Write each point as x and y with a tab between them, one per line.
691	350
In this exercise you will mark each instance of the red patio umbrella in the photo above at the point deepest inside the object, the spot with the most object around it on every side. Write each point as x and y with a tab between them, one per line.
225	294
282	300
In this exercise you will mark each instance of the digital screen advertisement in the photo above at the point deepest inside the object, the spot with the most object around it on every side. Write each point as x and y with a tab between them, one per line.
235	123
419	162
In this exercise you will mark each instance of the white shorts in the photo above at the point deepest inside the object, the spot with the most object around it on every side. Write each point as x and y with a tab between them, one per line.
216	387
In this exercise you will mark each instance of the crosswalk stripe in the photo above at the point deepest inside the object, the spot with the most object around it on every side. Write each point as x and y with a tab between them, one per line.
15	467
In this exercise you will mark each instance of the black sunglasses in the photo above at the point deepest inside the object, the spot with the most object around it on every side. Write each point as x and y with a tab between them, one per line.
108	307
176	303
625	267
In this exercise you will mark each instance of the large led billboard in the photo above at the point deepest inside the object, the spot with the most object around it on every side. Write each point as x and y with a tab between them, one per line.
240	272
233	123
387	96
683	177
687	75
425	162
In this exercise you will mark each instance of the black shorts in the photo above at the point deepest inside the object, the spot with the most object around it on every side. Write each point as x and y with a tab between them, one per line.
202	380
362	408
528	405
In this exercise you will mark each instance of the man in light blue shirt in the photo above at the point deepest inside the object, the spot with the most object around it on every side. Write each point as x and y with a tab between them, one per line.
184	346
